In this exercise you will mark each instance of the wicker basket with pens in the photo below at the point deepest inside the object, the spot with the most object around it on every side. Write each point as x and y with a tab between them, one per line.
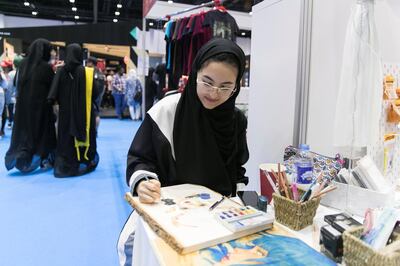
358	253
296	208
295	215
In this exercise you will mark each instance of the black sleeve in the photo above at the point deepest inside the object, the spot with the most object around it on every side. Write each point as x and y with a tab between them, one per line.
141	154
243	151
53	92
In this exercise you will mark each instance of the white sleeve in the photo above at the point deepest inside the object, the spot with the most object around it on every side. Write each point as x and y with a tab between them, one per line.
139	175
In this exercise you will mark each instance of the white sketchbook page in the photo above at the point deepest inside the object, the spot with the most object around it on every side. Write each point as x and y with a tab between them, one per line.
192	226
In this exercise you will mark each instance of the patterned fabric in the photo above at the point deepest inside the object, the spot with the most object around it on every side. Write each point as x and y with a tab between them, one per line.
329	166
133	88
118	85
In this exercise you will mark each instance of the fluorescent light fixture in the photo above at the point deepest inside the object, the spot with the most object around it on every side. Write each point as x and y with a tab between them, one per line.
74	8
117	13
115	20
34	13
243	33
170	2
72	1
76	17
151	23
119	6
26	3
251	13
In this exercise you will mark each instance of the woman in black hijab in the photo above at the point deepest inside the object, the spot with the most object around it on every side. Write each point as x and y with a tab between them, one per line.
196	137
33	137
76	145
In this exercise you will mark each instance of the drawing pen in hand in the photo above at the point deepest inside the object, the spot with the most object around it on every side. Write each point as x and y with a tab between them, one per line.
216	204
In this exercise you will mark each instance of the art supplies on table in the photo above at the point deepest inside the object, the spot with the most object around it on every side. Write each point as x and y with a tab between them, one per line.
183	219
365	175
331	239
380	224
268	183
243	218
331	242
251	198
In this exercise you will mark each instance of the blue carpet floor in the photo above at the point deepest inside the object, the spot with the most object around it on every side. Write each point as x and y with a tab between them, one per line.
72	221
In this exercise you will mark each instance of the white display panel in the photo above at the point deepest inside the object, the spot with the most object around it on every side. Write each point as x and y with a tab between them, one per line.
274	59
330	19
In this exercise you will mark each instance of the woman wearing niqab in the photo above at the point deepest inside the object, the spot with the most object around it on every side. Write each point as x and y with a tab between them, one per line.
74	90
33	137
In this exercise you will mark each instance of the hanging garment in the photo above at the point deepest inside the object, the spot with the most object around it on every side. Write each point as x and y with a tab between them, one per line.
223	25
359	99
33	137
74	90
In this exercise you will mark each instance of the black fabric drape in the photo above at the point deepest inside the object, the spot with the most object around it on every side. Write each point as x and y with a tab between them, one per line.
75	71
33	138
69	91
205	140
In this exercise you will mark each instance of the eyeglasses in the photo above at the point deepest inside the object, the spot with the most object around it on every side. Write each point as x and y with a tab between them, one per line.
225	91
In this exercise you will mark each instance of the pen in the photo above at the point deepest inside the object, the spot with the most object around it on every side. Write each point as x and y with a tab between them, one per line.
295	192
216	204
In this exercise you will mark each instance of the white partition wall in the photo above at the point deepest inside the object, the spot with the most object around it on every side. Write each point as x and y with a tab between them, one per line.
274	61
330	19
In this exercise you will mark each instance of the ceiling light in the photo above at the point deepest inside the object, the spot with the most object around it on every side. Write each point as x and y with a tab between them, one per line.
119	6
26	3
251	13
115	20
72	1
34	13
74	8
151	23
76	17
170	2
117	13
243	33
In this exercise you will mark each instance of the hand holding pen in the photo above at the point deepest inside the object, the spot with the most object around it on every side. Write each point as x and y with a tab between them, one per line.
149	190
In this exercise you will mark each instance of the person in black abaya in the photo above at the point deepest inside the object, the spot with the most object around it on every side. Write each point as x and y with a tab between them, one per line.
151	89
75	91
33	137
197	137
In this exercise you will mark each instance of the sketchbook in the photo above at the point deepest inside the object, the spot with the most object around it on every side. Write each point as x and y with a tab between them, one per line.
183	220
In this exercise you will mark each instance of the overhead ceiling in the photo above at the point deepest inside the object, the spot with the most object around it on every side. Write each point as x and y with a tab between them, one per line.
62	9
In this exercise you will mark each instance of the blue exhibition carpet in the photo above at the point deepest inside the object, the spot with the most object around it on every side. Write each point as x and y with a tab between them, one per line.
72	221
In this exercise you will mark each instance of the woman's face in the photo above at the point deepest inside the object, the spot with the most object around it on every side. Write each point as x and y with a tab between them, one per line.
216	74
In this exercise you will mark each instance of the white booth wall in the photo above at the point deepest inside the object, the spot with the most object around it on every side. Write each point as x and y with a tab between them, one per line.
329	26
273	66
274	71
19	22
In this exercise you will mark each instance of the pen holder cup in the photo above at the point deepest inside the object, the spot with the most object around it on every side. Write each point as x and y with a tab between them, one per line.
357	253
295	215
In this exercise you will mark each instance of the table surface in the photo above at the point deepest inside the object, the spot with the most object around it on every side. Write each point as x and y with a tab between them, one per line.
158	252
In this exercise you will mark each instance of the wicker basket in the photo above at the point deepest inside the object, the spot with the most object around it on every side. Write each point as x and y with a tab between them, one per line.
357	253
295	215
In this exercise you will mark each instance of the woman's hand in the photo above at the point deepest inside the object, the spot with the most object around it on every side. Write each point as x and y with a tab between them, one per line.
149	191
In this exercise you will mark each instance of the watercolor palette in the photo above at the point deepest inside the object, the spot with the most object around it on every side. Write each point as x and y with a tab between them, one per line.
243	218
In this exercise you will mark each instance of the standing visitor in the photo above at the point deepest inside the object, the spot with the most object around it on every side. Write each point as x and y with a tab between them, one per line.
74	89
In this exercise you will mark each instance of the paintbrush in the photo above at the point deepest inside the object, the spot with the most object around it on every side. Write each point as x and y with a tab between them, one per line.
287	187
325	191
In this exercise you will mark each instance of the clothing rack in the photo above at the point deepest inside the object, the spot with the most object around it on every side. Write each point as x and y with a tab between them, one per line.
207	4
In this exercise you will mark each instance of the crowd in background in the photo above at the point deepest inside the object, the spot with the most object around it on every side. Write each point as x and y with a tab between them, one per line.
54	107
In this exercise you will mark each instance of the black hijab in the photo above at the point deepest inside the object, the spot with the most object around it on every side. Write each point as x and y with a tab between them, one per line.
38	51
205	140
74	71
